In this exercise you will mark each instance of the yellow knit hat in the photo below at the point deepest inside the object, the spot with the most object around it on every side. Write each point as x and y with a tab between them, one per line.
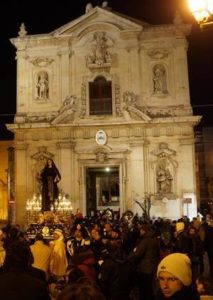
179	265
180	226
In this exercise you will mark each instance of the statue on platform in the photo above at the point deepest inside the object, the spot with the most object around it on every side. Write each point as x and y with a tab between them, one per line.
50	176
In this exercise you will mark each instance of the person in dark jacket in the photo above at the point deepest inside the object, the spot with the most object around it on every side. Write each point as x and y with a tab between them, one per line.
145	257
175	278
116	276
181	239
208	245
17	280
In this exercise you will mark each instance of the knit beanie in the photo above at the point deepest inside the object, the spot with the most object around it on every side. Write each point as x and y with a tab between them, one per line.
180	226
179	265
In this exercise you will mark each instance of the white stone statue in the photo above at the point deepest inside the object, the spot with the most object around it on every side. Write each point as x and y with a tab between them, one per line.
42	86
88	8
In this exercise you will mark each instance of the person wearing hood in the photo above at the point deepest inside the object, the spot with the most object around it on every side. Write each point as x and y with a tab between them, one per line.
58	262
145	257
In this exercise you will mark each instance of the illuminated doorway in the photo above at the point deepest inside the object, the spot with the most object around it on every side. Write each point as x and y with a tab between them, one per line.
102	189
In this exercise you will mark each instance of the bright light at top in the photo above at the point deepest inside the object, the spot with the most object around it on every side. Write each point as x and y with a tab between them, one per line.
201	9
107	169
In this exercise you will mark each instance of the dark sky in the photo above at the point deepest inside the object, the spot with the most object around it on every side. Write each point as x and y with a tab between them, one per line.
45	16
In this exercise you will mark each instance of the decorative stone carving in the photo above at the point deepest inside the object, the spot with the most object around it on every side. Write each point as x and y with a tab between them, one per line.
22	31
83	101
42	61
156	112
39	119
159	80
165	169
131	107
67	110
101	156
100	56
158	53
130	98
117	101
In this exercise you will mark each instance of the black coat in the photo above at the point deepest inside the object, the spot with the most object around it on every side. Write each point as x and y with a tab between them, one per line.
208	244
187	293
146	255
116	278
19	285
49	178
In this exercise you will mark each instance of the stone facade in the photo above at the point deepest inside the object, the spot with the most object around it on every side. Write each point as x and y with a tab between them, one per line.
149	134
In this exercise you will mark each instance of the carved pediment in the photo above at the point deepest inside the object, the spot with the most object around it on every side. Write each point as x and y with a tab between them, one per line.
101	16
42	154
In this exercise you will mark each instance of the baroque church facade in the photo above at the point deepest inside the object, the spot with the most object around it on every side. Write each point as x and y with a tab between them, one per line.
107	98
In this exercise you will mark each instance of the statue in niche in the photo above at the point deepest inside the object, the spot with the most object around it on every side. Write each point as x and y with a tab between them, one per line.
159	80
99	55
163	175
42	86
165	169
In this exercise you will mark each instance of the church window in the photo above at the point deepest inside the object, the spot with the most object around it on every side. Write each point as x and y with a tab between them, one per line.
100	97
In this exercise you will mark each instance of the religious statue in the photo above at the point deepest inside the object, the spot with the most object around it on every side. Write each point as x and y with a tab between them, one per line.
163	175
42	86
100	54
50	176
159	80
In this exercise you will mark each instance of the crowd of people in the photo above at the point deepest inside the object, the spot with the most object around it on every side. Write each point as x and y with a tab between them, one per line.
102	258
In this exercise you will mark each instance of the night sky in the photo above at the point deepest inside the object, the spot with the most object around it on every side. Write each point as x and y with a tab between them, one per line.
46	16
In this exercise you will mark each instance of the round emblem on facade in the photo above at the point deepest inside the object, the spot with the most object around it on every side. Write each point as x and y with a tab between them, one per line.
101	137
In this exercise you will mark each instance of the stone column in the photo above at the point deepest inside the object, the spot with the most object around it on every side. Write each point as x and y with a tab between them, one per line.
22	81
135	171
21	182
187	180
67	167
181	71
65	56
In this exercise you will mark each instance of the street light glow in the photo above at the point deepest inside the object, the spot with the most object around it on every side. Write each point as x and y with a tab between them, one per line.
201	9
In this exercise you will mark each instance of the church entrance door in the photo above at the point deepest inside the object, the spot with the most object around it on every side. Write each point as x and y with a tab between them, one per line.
102	189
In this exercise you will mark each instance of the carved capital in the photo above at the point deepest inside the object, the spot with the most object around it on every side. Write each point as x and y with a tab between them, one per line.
21	146
66	145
